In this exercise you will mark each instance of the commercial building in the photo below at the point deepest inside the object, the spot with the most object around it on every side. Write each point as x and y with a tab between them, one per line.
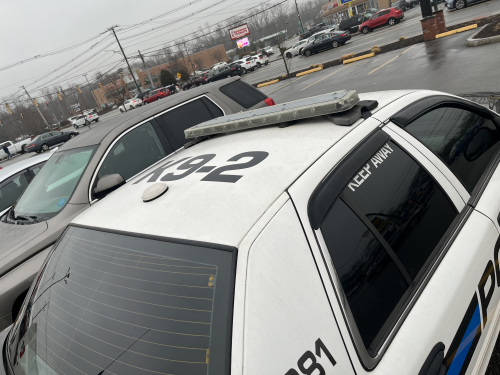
337	10
112	92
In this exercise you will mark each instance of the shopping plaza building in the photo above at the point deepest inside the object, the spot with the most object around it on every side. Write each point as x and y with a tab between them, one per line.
337	10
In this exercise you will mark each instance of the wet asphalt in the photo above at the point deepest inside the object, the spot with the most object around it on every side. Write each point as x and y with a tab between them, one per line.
444	64
409	27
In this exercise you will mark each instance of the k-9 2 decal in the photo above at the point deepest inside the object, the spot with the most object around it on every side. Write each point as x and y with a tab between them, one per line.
307	363
197	164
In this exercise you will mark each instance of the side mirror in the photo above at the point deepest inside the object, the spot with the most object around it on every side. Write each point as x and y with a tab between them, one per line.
107	184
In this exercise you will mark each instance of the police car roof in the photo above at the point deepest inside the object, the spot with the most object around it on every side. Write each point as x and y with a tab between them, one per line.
195	208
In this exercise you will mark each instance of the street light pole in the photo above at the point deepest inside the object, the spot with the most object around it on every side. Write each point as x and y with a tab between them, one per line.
300	19
36	106
112	28
90	87
147	70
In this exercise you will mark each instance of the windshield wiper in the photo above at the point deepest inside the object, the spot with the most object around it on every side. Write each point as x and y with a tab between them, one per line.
31	219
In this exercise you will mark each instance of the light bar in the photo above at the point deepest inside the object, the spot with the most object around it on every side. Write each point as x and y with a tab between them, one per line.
320	105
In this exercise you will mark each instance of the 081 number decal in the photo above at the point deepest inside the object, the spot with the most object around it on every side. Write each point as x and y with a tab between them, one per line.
307	363
198	164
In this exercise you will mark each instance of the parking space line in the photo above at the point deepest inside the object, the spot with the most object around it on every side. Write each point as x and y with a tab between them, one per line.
391	59
338	70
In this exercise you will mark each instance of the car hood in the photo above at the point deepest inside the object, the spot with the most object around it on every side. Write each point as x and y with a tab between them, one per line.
12	237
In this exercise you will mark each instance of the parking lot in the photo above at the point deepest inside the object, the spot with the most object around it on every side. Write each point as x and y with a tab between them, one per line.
409	27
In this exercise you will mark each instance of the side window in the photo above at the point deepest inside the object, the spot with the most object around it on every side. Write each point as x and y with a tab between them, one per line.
465	141
12	189
45	136
214	110
134	152
174	122
243	94
36	168
381	233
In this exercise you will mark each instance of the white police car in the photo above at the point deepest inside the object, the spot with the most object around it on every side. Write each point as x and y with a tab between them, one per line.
322	236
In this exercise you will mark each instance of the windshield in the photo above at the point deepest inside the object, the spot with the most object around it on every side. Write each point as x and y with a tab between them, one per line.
115	304
54	184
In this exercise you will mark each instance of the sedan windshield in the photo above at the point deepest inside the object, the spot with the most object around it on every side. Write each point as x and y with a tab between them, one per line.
54	184
108	303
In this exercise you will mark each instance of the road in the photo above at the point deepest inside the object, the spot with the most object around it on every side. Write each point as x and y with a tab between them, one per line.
102	119
409	27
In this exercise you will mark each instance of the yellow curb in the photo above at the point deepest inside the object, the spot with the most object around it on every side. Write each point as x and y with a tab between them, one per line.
470	27
309	71
268	83
359	58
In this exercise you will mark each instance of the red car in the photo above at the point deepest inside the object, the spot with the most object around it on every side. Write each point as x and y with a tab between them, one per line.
389	17
153	96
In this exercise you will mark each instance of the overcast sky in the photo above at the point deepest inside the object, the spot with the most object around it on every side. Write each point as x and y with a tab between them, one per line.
33	27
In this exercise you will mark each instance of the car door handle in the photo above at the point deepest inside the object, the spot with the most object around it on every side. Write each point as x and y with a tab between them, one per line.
434	364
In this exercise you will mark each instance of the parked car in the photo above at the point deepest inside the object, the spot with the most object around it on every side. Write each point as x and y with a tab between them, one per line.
153	96
389	17
72	118
247	64
216	65
45	141
262	59
236	69
326	41
95	163
351	25
143	94
15	178
223	71
130	104
296	49
403	4
459	4
195	81
173	88
355	243
14	148
92	115
269	50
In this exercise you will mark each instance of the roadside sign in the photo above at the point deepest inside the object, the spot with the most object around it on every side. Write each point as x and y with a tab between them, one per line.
239	32
179	75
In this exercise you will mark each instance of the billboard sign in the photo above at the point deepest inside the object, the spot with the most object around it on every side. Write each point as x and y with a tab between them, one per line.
239	32
345	1
242	42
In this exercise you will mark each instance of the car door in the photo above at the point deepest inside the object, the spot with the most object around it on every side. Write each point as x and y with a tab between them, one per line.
376	20
462	140
409	261
384	17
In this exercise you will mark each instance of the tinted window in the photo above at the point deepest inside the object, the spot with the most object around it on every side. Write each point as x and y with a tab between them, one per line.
134	152
12	189
45	136
214	109
174	122
243	94
466	142
406	211
370	279
161	307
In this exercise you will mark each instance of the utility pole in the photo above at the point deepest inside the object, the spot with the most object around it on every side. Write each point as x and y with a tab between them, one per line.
90	88
112	28
300	19
146	67
36	106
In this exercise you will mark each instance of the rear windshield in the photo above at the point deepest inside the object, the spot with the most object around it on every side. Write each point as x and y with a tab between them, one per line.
54	184
127	305
243	94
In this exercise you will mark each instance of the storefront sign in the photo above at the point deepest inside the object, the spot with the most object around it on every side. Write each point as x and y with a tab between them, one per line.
239	32
345	1
242	42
